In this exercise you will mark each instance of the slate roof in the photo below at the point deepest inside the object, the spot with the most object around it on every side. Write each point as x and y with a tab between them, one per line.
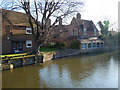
16	18
81	23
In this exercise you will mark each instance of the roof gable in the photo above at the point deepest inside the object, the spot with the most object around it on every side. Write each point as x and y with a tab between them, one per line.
16	18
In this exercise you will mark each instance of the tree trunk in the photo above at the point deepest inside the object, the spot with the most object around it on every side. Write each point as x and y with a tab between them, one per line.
37	47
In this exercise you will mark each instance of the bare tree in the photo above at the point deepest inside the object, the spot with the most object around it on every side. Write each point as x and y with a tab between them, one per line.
39	13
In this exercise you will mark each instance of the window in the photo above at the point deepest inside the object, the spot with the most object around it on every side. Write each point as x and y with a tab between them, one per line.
85	29
75	32
94	45
60	31
102	44
85	32
71	33
89	45
81	26
29	44
20	45
28	31
95	32
98	44
84	45
19	27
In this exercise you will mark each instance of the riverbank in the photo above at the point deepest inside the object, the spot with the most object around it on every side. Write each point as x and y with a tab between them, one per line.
13	61
86	71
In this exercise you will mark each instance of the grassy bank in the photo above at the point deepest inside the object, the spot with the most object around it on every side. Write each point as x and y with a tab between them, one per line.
47	49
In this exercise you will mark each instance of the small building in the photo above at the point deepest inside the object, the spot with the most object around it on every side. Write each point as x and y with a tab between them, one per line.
16	33
91	44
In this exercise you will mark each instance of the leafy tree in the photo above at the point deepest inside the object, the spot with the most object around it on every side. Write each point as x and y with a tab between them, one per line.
104	28
112	41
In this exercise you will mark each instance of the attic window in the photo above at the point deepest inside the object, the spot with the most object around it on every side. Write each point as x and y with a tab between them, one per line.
28	31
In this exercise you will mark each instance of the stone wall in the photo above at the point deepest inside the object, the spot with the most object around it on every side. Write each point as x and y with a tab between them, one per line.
28	61
66	53
16	62
19	62
39	59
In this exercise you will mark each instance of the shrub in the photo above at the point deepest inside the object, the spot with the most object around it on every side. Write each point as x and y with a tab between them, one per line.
75	44
51	45
60	45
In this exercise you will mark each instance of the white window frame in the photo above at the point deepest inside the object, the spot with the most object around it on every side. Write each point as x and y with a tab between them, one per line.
29	30
28	42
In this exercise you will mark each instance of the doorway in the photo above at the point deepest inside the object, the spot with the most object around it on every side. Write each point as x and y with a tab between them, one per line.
17	46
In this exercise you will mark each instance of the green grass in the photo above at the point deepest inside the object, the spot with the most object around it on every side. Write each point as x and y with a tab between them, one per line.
47	49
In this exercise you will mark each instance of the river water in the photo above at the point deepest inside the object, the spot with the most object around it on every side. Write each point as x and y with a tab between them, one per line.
88	71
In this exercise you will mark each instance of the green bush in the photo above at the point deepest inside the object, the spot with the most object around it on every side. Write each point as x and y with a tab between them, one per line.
57	45
75	44
60	45
51	45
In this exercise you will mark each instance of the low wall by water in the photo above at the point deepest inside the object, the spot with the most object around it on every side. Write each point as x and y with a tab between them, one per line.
19	62
43	57
66	53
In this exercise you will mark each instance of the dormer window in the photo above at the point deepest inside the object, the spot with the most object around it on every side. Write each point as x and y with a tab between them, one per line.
28	31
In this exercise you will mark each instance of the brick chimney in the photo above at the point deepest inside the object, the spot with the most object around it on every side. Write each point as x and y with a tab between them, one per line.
60	21
78	15
48	22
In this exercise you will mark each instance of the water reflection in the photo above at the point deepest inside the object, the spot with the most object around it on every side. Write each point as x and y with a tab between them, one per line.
92	71
87	72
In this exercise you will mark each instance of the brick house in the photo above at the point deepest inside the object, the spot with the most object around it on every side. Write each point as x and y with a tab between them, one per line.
80	29
16	33
77	27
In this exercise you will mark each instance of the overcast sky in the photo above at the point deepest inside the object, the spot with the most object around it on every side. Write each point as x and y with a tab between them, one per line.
101	10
